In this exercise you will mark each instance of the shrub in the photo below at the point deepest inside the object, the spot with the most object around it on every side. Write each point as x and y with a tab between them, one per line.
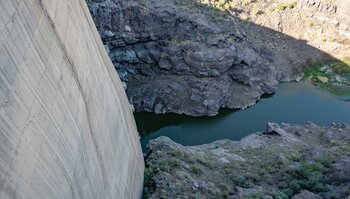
251	176
296	156
266	197
225	193
256	11
165	167
325	160
229	6
244	17
292	5
175	153
316	182
242	181
281	6
254	195
189	159
196	169
341	67
295	186
308	167
289	192
308	176
148	173
205	162
277	194
173	162
238	179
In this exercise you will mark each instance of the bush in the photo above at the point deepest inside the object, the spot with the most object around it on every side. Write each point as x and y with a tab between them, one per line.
196	169
325	160
148	173
225	193
243	17
316	182
308	176
266	197
205	162
175	153
308	167
341	67
295	186
189	159
289	192
281	6
256	11
165	167
277	194
255	195
242	181
252	177
292	5
174	162
238	179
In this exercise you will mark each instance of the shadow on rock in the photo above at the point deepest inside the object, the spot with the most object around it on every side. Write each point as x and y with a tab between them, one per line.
180	56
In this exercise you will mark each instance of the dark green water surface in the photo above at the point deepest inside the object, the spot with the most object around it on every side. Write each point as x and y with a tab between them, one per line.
294	103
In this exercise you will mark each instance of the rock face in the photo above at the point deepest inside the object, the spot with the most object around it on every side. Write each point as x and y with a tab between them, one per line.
284	161
306	195
324	24
186	57
66	127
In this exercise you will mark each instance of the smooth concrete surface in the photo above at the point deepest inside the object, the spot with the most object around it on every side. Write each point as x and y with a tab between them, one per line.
66	127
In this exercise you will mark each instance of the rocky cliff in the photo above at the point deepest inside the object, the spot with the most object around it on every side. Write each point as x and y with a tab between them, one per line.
284	161
66	126
194	57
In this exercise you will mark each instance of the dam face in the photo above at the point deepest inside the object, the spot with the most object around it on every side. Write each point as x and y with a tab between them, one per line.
66	126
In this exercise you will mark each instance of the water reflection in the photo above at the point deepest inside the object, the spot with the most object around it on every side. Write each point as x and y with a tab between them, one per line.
294	103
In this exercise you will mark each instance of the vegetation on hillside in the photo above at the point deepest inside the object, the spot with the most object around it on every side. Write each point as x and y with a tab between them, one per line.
258	6
272	171
332	75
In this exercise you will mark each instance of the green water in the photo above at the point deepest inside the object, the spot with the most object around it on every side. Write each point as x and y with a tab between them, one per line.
294	103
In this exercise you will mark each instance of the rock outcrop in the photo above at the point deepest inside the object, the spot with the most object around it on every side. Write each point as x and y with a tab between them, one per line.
193	58
66	126
284	161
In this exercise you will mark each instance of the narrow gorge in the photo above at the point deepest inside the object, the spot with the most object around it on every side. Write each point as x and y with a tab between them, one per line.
215	58
126	99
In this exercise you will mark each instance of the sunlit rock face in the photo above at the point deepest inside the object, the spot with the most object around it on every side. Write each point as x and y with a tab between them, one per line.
66	126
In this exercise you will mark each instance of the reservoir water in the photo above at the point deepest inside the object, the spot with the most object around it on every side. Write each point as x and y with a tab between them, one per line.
294	103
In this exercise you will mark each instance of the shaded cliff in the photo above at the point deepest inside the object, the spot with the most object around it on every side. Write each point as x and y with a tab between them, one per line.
192	57
66	127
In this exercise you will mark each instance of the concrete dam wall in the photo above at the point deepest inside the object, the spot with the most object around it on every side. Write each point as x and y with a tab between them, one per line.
66	127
